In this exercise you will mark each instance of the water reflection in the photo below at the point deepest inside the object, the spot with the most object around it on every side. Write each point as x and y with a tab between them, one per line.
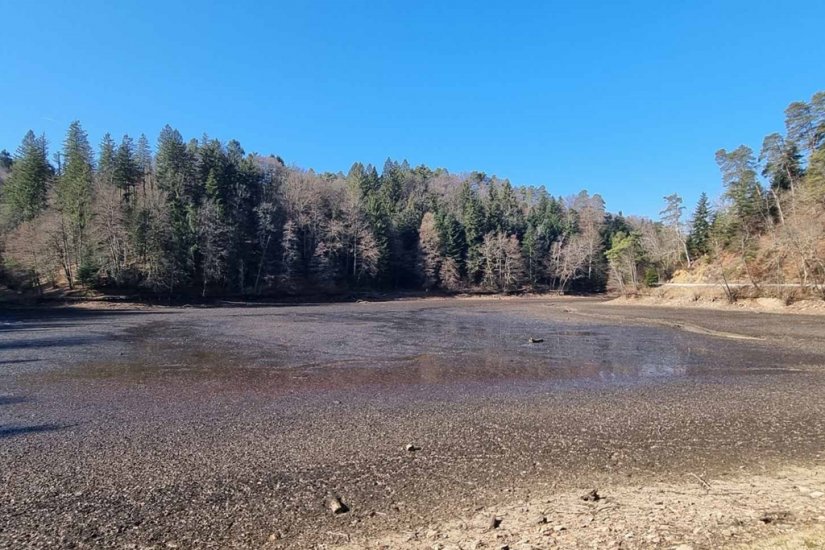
366	350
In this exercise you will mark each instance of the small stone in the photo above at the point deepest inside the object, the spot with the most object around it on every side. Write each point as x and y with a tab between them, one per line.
504	547
592	496
559	528
816	494
410	448
495	522
540	520
536	340
774	517
336	505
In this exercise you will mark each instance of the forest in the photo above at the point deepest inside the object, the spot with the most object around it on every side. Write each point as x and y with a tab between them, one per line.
202	217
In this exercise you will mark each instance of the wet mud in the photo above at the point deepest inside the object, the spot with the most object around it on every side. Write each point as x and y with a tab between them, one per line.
216	427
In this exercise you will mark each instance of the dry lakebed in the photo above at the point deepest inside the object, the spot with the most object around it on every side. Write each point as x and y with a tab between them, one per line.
429	423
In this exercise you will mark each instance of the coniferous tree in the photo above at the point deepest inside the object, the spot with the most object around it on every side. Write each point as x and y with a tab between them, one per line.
74	199
125	170
6	160
699	240
143	158
106	160
205	216
174	173
27	185
741	186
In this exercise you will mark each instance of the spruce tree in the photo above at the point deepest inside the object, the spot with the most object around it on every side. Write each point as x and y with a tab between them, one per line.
143	158
174	173
125	172
25	190
74	187
106	162
6	160
74	201
699	240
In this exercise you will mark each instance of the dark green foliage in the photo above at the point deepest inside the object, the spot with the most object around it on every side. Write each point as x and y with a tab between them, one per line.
742	188
6	160
106	160
203	216
25	190
126	171
782	162
74	183
651	277
699	239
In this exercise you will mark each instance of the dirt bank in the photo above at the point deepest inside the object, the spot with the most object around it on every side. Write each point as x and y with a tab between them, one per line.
781	509
716	300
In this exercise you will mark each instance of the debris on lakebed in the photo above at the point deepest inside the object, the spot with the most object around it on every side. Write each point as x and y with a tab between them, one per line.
335	505
735	512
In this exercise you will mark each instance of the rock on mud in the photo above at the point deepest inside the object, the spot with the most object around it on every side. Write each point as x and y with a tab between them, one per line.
336	505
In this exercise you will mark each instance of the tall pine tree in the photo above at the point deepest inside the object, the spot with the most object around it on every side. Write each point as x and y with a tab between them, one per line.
25	190
699	239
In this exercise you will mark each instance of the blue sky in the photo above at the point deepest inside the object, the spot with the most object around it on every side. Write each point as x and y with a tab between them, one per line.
627	99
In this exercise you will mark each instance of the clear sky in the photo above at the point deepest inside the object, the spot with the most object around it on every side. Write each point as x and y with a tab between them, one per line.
628	99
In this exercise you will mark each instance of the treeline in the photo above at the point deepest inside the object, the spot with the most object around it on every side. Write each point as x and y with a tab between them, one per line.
205	217
772	229
768	227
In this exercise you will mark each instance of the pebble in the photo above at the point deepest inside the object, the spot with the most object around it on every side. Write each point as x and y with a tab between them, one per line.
592	496
336	506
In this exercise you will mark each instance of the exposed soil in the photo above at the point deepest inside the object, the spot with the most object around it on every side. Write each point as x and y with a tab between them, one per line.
232	426
781	510
714	298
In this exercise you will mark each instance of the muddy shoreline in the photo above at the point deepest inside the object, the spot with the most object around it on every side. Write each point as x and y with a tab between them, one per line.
216	427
